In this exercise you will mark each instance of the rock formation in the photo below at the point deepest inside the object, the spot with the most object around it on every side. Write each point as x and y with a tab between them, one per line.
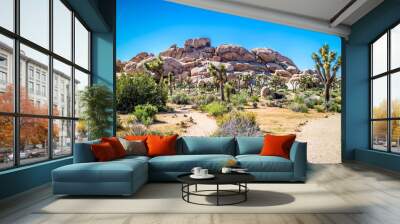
196	54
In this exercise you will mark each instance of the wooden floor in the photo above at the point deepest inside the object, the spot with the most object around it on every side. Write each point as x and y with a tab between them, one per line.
378	189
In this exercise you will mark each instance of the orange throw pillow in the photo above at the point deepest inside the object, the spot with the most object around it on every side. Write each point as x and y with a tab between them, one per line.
136	137
116	145
161	145
277	145
103	152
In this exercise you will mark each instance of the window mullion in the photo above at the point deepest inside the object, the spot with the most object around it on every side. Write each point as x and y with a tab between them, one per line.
389	104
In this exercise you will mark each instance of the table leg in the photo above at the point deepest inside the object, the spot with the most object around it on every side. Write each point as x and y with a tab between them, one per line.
195	188
217	194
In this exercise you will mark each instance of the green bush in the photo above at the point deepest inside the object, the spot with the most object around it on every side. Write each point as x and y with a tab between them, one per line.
146	113
320	108
202	100
180	98
298	107
239	99
216	109
255	99
334	107
137	89
312	101
338	100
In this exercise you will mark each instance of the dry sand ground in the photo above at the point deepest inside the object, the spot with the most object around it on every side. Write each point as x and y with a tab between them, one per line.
322	131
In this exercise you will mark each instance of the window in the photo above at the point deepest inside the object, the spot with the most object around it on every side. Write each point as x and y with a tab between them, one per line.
62	29
81	45
6	74
7	14
47	77
35	21
385	94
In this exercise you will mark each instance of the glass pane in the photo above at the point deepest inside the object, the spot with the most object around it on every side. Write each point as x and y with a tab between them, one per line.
35	21
379	135
34	97
6	74
81	45
6	142
395	94
395	136
81	82
379	55
62	29
81	131
62	138
7	14
379	98
62	89
395	47
33	139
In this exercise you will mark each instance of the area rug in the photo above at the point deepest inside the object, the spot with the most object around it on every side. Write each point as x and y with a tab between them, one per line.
166	198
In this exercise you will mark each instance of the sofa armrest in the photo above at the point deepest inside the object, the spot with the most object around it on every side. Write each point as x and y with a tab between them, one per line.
83	152
298	155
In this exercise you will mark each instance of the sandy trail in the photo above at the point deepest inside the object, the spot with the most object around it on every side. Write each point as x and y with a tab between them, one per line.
203	124
323	137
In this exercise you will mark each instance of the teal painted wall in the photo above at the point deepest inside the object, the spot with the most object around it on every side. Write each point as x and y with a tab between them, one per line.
99	15
103	64
356	86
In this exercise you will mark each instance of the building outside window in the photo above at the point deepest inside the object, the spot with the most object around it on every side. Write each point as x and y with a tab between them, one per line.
34	81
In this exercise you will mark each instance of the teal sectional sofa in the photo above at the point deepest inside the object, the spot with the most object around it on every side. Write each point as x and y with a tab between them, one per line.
125	176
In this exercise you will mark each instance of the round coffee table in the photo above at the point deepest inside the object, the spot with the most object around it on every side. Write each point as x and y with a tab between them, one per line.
238	179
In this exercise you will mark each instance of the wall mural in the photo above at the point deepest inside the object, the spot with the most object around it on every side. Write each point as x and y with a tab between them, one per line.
207	76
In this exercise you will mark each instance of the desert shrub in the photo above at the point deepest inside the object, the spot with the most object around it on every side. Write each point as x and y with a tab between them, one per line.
137	89
146	113
180	98
202	100
216	109
320	108
239	99
238	124
338	100
334	107
312	101
299	98
255	98
298	107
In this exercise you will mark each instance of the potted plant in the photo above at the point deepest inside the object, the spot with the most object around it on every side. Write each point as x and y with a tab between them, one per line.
97	110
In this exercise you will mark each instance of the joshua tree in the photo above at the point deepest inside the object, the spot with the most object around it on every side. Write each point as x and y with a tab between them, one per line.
219	75
156	66
171	82
228	90
327	63
247	78
276	82
295	82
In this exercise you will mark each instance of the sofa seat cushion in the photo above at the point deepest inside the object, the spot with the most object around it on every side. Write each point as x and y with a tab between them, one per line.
257	163
185	163
112	171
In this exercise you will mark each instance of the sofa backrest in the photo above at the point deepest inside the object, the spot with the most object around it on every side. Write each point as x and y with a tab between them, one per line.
249	145
191	145
83	152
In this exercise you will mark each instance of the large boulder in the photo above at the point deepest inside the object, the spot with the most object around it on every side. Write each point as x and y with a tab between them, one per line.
229	52
283	73
197	43
265	91
141	56
264	54
172	65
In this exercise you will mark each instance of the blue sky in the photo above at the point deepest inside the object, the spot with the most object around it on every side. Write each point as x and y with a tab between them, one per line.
154	25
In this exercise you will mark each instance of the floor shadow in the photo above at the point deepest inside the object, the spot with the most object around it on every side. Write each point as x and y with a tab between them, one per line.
256	198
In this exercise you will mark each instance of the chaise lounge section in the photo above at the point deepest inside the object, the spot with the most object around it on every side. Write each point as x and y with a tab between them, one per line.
125	176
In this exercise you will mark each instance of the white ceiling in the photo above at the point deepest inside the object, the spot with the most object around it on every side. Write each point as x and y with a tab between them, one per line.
317	15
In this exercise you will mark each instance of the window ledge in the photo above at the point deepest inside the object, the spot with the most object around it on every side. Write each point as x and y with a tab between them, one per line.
17	169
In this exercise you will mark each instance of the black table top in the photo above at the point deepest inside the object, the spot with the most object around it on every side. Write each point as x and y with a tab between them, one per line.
220	178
